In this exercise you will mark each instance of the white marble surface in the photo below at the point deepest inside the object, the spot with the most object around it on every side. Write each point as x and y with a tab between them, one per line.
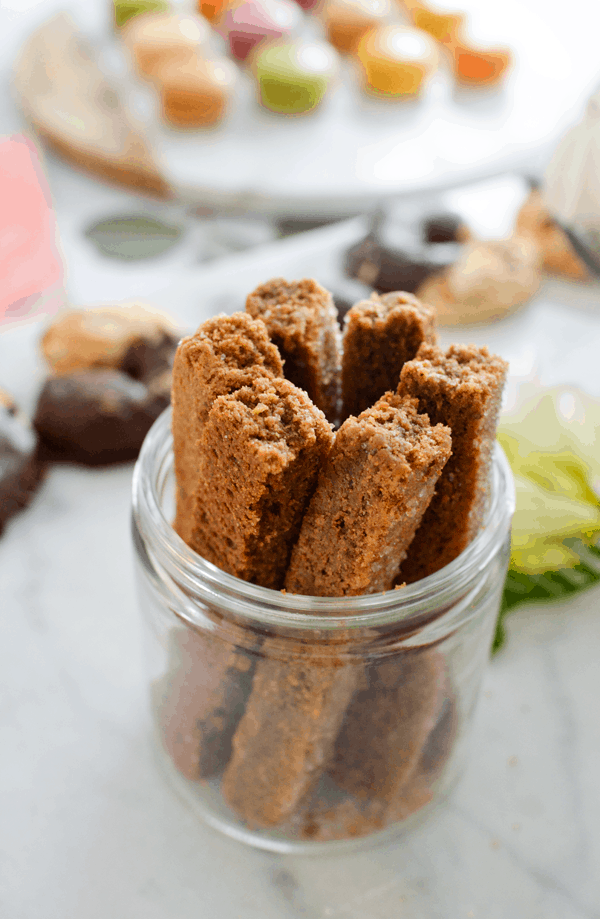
88	827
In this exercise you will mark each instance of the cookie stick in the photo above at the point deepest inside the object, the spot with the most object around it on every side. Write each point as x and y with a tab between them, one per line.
387	725
373	490
226	353
378	481
201	698
261	450
258	459
380	335
301	319
330	817
462	388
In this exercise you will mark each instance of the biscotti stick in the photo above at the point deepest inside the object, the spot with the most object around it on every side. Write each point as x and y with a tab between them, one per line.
226	353
372	493
462	388
369	501
258	458
380	335
201	699
387	725
261	450
286	735
302	321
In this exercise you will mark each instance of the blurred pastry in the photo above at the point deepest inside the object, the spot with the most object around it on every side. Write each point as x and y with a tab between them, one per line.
195	93
348	21
472	65
246	23
397	60
478	66
155	41
441	25
66	98
212	9
488	281
127	9
392	257
558	255
110	336
294	77
444	228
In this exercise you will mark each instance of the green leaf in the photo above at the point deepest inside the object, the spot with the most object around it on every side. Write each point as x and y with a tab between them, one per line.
133	238
521	587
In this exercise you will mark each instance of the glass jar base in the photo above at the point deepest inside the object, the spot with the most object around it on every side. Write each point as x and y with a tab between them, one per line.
208	811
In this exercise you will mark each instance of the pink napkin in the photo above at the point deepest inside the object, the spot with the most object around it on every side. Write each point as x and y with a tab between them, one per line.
31	268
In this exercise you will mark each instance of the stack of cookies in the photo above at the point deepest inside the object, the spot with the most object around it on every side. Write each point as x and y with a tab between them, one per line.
328	464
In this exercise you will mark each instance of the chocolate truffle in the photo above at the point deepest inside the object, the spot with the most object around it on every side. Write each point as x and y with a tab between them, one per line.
96	417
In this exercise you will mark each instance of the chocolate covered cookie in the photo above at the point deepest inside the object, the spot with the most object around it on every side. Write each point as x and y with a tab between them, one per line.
21	469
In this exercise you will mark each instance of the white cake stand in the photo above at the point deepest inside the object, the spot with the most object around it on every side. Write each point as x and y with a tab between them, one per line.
356	152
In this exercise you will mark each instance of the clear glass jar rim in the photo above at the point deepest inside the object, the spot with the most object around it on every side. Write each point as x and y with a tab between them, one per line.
209	584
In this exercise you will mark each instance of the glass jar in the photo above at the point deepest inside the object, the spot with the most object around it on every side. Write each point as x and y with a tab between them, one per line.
290	722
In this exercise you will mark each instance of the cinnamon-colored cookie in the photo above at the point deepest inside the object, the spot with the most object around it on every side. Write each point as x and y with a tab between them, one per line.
201	699
371	496
380	335
226	353
387	725
461	388
259	456
285	738
301	319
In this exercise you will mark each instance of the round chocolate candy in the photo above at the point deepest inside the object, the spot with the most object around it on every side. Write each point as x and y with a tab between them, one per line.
96	417
397	60
293	77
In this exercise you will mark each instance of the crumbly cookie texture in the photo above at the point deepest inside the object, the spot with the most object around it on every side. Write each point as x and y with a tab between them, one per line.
226	353
371	496
301	319
288	730
462	388
380	335
260	453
